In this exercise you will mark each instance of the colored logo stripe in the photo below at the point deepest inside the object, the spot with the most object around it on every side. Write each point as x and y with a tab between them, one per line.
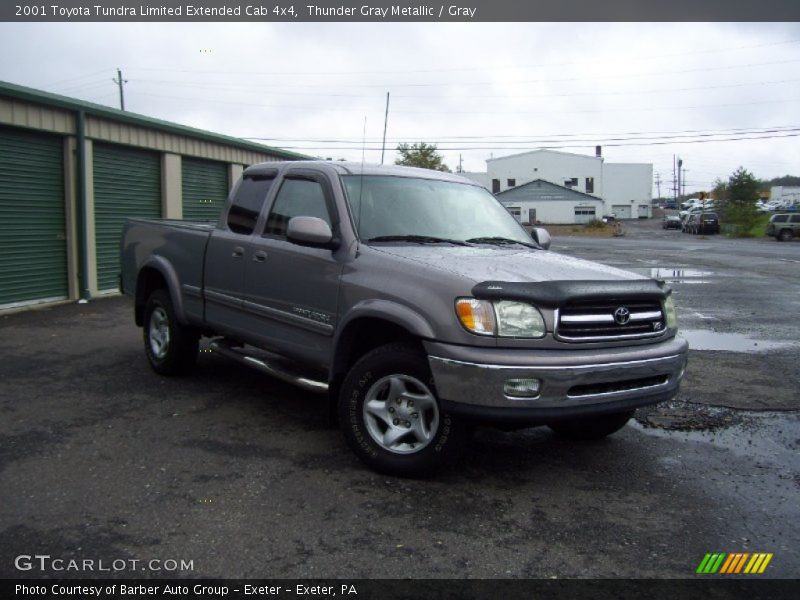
723	563
711	563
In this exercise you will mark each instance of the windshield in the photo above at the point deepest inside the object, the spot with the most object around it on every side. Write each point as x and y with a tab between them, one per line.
394	207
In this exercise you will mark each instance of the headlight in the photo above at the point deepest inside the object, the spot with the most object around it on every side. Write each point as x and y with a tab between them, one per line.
518	319
503	318
672	316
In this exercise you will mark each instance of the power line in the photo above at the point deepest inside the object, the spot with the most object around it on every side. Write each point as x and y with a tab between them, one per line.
75	78
249	86
450	112
620	144
590	137
471	69
649	73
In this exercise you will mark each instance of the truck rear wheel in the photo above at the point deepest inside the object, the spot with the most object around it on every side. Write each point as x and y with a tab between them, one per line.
391	417
593	428
171	348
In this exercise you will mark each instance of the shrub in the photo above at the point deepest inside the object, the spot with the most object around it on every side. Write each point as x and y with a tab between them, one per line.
595	224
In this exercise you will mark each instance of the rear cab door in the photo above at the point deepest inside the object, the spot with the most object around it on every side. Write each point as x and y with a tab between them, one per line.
224	269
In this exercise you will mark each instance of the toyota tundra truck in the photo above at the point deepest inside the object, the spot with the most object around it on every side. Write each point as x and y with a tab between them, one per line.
413	299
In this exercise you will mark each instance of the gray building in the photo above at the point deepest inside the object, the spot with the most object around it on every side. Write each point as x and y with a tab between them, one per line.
545	202
71	172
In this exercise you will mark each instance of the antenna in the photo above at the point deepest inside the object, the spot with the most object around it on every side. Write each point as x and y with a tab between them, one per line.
385	123
361	185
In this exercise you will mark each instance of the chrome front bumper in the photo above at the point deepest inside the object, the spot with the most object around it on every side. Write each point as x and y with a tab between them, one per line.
573	381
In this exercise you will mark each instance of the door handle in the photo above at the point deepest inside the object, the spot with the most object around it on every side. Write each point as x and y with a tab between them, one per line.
238	252
260	256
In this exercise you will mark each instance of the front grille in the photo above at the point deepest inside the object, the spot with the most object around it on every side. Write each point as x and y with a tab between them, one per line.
594	321
592	389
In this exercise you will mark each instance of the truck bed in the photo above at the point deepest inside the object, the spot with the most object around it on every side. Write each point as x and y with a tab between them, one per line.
179	244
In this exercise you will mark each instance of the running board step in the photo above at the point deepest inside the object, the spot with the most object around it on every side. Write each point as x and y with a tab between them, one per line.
270	367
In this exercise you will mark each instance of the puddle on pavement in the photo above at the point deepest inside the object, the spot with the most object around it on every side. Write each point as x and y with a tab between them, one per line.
766	436
703	339
675	274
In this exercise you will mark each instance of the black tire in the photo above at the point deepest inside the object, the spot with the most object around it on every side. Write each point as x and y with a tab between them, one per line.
181	348
593	428
785	235
366	376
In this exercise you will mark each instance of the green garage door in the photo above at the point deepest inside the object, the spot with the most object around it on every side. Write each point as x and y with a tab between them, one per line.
205	188
127	183
33	247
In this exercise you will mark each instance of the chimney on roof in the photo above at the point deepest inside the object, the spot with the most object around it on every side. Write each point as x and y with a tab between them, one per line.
598	151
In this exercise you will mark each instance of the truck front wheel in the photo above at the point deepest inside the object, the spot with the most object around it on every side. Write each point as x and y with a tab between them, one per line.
593	428
391	417
171	347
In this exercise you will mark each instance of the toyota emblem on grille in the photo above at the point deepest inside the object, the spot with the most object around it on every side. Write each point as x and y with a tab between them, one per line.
622	315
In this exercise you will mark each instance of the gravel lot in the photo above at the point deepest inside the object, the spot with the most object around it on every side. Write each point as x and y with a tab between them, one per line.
101	458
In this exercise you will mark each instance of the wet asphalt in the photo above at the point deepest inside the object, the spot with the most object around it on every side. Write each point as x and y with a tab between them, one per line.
100	458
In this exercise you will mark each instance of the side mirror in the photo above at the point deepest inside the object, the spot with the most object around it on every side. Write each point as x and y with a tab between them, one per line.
310	231
541	237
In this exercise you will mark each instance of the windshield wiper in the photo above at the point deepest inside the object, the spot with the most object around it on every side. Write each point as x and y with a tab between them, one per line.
501	241
419	239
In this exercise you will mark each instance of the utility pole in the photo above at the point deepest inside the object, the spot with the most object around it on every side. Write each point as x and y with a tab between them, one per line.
680	168
674	181
120	82
658	184
385	122
683	182
460	170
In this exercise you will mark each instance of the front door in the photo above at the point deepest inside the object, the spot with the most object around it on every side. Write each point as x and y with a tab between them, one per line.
291	291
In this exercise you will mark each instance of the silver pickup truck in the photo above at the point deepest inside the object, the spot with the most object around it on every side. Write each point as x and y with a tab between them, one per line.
413	299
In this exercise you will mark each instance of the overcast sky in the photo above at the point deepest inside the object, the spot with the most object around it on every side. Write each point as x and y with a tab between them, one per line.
477	89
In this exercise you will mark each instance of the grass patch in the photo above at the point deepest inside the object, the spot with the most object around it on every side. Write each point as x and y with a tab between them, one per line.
758	228
602	230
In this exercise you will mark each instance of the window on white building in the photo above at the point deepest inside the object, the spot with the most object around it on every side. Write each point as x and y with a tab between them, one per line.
515	211
584	210
590	185
512	183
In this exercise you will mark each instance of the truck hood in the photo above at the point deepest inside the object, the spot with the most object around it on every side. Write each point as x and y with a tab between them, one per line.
516	264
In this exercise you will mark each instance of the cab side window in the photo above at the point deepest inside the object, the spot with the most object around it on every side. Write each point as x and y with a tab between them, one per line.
296	198
247	203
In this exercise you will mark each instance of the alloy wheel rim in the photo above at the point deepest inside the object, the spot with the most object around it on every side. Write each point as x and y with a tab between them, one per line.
401	414
158	333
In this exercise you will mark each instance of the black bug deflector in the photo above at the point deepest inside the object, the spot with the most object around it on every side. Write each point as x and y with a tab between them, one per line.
553	294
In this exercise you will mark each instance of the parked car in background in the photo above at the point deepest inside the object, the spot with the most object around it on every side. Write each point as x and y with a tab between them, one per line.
671	222
784	227
671	205
707	222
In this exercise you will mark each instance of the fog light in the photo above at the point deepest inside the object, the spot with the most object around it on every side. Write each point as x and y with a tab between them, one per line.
522	388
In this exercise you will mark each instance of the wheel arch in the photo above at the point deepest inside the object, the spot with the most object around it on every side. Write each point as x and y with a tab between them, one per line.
155	274
372	324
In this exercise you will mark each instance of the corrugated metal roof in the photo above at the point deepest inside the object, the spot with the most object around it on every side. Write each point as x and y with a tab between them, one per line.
20	92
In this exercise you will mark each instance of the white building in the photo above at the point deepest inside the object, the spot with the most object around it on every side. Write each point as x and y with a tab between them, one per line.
623	189
784	194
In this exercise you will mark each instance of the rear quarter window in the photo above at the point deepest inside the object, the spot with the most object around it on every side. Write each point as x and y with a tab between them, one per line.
794	219
247	203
